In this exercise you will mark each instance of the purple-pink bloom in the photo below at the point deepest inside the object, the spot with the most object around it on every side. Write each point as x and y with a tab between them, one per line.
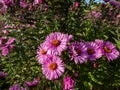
96	14
78	52
17	87
3	7
3	74
33	83
23	4
76	4
53	67
2	39
93	51
38	1
5	47
57	42
110	51
5	50
10	41
114	3
9	2
42	52
68	83
99	42
5	31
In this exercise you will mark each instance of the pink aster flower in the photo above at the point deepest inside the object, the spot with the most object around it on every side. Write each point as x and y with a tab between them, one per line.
5	31
5	47
78	51
3	7
3	74
10	41
2	39
42	52
23	4
76	4
68	83
38	1
5	50
110	51
96	14
93	51
9	2
57	42
33	83
53	67
17	87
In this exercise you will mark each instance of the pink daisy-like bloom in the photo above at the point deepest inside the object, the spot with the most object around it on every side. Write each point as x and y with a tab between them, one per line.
33	83
78	51
38	1
68	83
93	51
3	74
23	4
3	7
57	42
42	52
99	42
53	67
110	51
9	2
17	87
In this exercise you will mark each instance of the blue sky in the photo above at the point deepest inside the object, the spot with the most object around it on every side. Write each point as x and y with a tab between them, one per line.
95	0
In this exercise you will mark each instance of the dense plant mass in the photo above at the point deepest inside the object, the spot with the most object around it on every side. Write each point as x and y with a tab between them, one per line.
59	45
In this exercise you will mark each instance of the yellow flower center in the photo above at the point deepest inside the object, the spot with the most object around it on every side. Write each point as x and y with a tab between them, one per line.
90	51
53	66
1	5
43	51
107	49
55	42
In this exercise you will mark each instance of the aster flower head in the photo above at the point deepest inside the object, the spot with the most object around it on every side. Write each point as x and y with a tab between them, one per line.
3	74
3	7
110	51
33	83
5	50
57	42
53	67
23	4
99	42
10	41
16	87
42	52
76	4
68	83
38	1
78	52
93	51
9	2
114	3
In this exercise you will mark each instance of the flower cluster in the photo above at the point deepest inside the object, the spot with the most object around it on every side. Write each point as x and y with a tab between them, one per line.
4	4
83	51
48	53
113	3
